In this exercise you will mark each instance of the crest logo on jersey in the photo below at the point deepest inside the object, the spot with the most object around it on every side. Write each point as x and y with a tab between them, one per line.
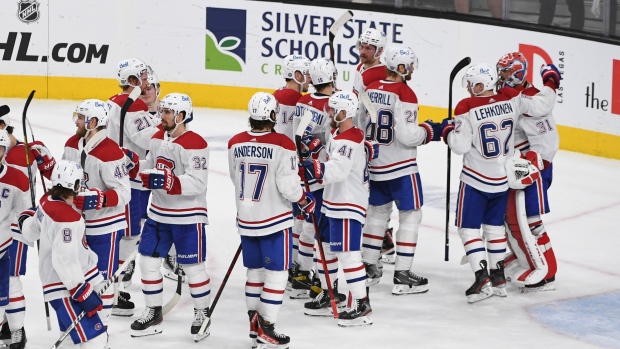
28	11
225	39
163	163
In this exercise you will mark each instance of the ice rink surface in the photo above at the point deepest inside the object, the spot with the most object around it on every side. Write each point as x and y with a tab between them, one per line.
584	311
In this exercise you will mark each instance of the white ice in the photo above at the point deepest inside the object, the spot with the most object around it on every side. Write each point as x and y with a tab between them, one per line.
583	226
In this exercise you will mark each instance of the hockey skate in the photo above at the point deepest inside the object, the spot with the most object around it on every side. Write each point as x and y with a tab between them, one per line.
291	274
267	337
199	317
481	289
18	339
5	334
321	304
545	285
498	281
373	274
123	306
146	324
406	282
301	285
129	274
170	264
317	282
253	315
358	314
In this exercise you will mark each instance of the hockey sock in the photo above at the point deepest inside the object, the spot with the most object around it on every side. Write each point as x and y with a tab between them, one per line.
374	230
354	272
331	260
5	268
199	284
107	298
152	281
272	294
16	310
407	238
297	229
474	247
253	287
126	247
496	239
306	246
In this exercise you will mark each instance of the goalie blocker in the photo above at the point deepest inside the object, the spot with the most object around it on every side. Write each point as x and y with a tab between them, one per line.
533	263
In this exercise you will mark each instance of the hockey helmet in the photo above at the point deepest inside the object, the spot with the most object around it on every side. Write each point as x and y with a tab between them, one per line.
130	67
68	174
261	105
480	73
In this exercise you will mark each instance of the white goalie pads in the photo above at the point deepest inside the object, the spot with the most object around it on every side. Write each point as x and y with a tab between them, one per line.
520	172
531	266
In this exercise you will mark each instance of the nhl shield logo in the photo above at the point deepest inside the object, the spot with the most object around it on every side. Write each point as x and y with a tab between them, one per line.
28	11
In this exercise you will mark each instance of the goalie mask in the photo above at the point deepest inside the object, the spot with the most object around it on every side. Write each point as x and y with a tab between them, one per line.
515	64
520	173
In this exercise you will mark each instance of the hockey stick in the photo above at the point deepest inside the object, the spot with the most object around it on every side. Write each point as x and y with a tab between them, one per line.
4	109
121	269
31	183
333	30
372	112
128	102
460	65
303	123
177	295
203	328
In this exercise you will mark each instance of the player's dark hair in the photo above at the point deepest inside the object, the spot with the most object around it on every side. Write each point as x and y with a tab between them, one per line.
320	87
8	129
261	124
61	192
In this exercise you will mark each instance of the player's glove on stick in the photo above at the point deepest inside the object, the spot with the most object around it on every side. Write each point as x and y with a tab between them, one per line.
161	179
306	206
550	75
313	169
433	131
44	158
447	126
88	300
372	150
92	199
312	145
133	165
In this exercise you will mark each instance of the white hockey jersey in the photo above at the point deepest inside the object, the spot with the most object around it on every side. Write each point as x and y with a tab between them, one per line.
345	176
14	198
140	126
398	133
483	132
364	77
539	134
317	104
287	98
263	168
104	169
187	156
65	260
16	157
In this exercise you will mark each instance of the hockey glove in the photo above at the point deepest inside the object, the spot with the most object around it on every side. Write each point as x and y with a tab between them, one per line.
550	75
534	158
433	131
372	150
161	179
88	300
25	215
44	158
300	172
447	126
91	199
133	165
306	206
313	169
312	147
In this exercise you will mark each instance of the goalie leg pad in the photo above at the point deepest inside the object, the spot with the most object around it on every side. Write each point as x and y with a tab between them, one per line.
374	230
474	247
199	284
407	238
544	243
272	294
152	281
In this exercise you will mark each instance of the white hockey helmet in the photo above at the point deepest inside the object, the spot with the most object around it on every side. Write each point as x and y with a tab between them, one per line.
480	73
343	100
5	141
520	172
130	67
322	71
372	37
397	55
92	108
178	102
261	105
68	174
294	63
4	115
153	79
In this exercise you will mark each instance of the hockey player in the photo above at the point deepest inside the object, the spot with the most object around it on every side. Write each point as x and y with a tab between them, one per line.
151	94
370	46
263	167
67	266
105	189
483	126
394	176
176	170
16	310
345	199
532	136
139	127
295	71
15	189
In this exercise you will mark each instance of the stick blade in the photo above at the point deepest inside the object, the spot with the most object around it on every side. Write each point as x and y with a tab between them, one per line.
303	123
4	109
460	65
340	22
